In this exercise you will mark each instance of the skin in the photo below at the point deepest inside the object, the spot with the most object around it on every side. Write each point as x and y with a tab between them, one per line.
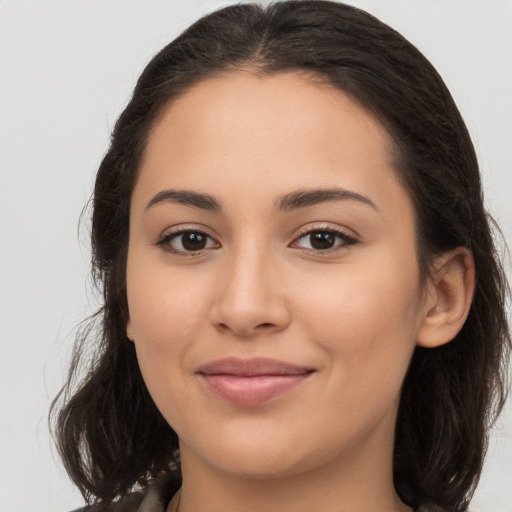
259	288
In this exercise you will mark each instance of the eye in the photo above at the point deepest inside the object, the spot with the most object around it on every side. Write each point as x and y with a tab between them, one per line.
187	241
324	240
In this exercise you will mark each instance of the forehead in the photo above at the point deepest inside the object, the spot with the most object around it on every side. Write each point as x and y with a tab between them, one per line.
252	133
244	109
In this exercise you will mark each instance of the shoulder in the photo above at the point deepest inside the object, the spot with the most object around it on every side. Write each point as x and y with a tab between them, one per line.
129	503
154	498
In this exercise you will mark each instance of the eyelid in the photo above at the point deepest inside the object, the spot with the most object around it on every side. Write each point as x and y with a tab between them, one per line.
326	226
348	239
163	240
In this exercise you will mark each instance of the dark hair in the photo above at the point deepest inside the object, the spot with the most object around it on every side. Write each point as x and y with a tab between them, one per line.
109	432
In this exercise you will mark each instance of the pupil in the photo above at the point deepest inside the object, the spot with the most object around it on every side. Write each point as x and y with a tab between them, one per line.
322	240
193	241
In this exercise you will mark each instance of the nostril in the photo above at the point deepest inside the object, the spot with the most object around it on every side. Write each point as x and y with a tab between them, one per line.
245	331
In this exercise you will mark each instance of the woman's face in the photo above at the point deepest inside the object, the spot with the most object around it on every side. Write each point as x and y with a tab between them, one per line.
273	285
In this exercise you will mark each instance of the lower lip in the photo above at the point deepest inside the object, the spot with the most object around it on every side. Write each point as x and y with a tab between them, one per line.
252	390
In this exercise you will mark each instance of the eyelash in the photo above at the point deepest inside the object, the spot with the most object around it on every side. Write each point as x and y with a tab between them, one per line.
347	241
165	242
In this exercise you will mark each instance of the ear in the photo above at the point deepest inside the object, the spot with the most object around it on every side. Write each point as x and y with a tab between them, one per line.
129	330
449	295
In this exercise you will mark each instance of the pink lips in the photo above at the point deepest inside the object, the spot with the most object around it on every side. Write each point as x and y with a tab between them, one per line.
251	381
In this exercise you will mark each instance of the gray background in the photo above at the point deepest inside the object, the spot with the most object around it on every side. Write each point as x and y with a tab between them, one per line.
66	70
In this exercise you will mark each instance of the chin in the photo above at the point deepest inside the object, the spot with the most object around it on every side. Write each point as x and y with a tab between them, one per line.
259	458
259	467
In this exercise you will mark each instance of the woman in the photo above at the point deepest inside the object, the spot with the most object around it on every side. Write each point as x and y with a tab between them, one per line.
303	305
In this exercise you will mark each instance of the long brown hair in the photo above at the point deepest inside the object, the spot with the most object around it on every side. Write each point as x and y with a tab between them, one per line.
110	434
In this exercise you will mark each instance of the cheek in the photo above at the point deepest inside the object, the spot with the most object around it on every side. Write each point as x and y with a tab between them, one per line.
165	320
368	333
164	306
366	318
167	311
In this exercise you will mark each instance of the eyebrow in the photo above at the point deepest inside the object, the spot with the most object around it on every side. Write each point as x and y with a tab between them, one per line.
288	202
188	198
305	198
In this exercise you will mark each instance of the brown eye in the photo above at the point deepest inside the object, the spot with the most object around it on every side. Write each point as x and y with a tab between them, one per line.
193	241
324	240
187	242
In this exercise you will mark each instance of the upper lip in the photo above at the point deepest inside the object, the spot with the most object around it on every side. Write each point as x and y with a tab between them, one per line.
252	367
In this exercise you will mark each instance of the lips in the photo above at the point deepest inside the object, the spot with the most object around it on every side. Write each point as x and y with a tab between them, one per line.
251	381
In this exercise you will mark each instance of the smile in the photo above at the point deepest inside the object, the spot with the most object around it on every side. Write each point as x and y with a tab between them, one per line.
253	381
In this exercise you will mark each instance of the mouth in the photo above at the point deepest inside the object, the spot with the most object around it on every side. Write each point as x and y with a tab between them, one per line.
252	381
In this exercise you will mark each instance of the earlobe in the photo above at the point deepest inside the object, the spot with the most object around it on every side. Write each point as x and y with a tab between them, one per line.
129	331
449	297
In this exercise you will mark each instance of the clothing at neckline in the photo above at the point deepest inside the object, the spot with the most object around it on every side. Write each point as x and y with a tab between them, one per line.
164	491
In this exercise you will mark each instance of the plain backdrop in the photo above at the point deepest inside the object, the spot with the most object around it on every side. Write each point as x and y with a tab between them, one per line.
66	70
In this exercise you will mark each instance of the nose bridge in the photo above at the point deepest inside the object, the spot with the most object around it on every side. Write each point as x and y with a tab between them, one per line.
250	297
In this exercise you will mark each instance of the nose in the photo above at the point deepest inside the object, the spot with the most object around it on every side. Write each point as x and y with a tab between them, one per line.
250	298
